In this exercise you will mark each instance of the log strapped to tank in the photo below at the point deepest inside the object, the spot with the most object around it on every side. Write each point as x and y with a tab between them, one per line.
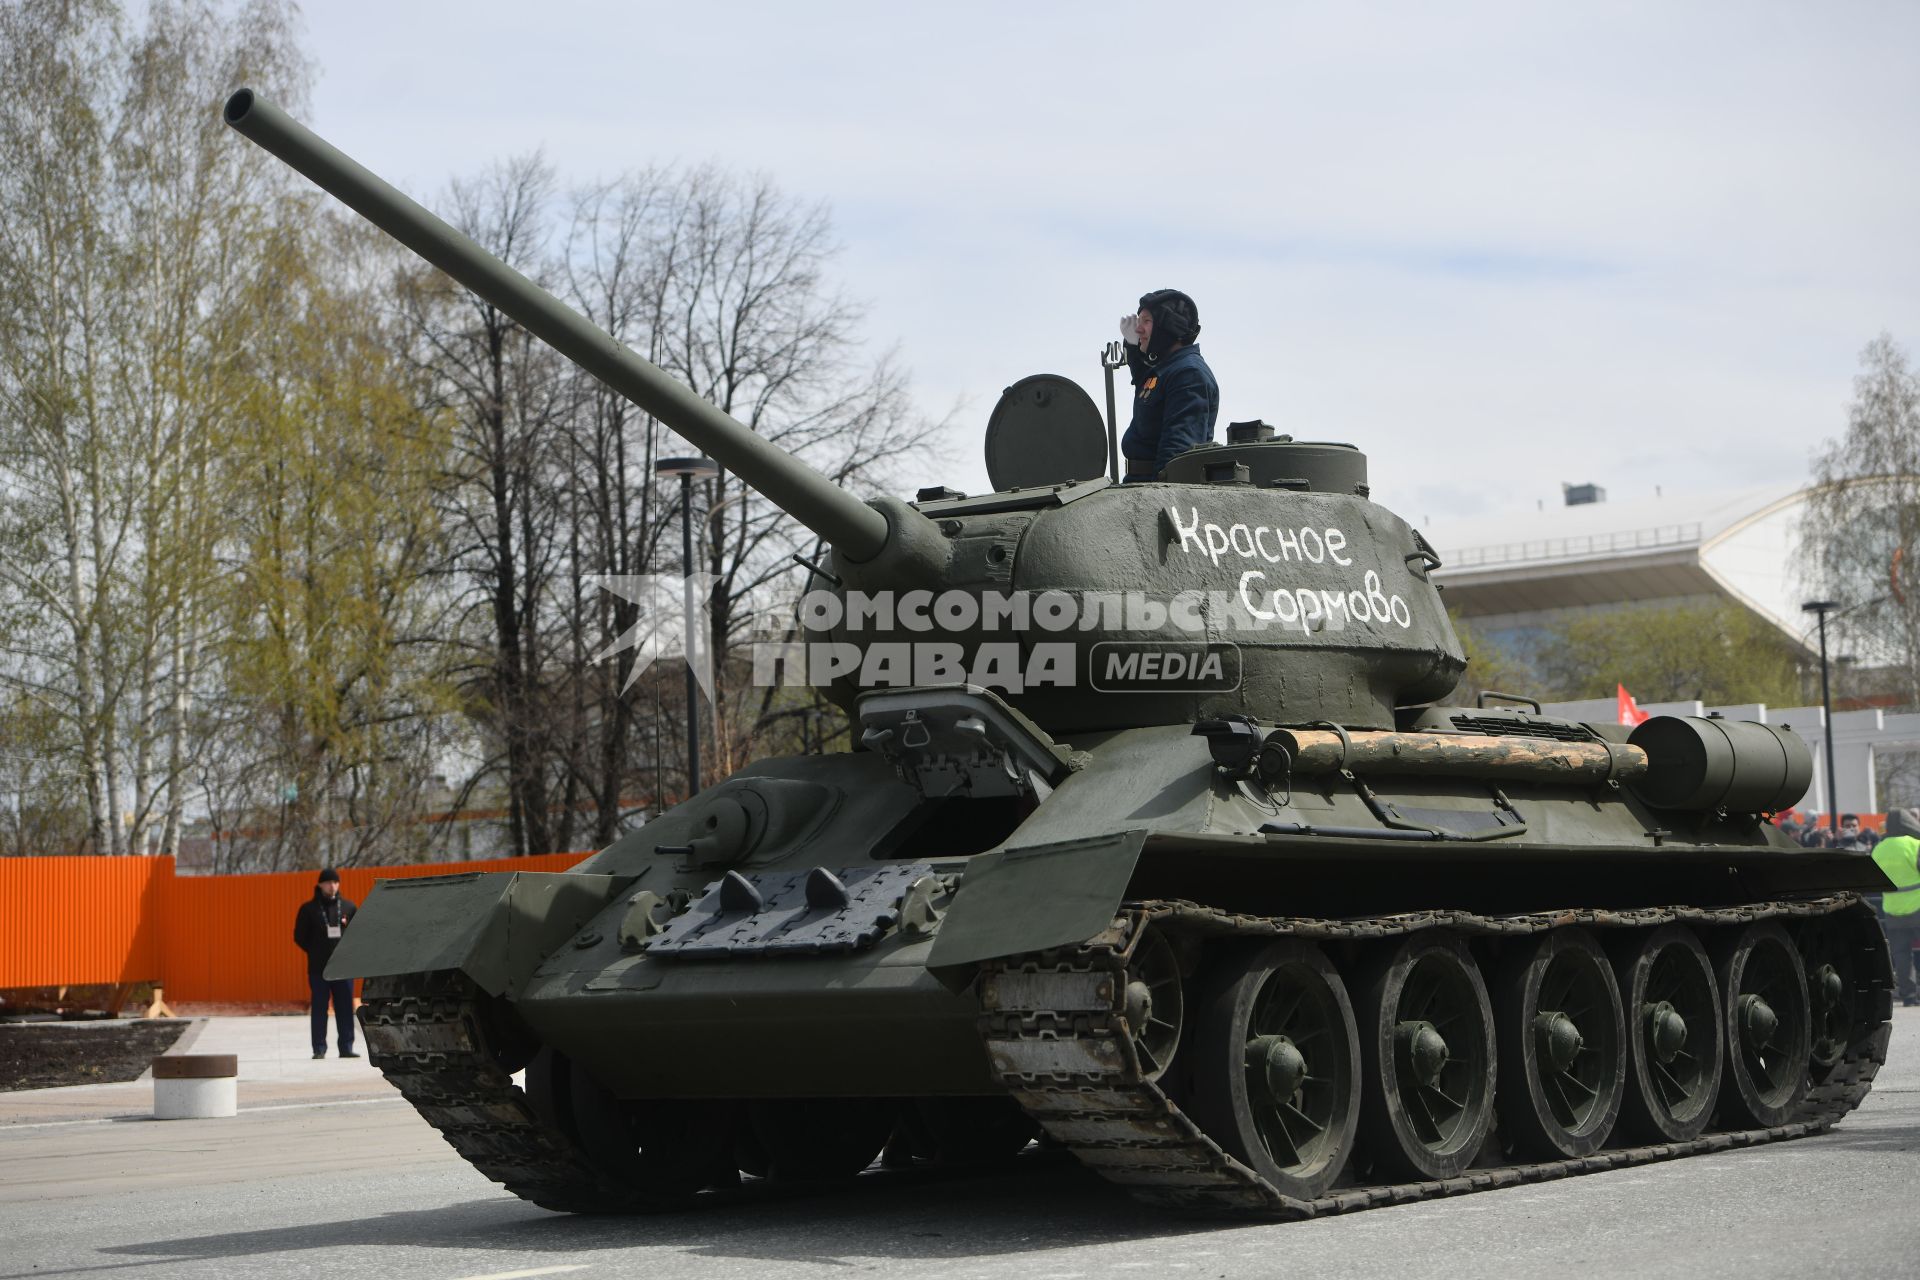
1321	751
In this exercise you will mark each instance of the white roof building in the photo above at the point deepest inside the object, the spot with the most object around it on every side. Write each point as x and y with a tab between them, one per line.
1514	574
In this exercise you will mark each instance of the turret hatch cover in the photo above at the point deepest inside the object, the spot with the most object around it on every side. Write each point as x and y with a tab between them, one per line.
1045	430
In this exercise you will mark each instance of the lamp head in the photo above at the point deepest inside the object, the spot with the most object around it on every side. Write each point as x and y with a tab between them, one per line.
690	468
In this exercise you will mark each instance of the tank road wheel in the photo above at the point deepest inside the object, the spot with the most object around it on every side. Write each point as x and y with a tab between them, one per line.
1838	953
1155	1003
1763	993
1427	1060
820	1139
1674	1041
1829	1004
1563	1047
654	1150
1275	1065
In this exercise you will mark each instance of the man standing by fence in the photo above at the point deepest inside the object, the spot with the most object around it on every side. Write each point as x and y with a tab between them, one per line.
317	930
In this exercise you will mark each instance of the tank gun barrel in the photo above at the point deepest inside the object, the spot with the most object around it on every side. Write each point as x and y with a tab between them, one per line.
856	530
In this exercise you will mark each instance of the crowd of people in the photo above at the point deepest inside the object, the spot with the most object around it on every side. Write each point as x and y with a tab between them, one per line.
1817	833
1896	851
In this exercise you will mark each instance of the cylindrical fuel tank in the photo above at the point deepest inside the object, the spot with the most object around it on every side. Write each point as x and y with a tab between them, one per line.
1742	766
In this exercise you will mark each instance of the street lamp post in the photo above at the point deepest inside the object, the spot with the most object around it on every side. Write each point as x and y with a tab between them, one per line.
689	470
1822	608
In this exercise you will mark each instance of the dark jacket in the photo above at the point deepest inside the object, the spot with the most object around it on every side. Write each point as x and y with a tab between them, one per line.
310	927
1175	403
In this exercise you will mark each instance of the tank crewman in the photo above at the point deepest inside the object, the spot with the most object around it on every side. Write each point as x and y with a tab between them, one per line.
1900	910
317	929
1175	397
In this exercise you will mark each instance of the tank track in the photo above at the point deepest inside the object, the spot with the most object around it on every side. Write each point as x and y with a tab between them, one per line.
1058	1041
427	1034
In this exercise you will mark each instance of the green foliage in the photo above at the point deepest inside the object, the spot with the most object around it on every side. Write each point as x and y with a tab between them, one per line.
128	224
1488	667
332	643
1862	527
1716	653
42	806
290	523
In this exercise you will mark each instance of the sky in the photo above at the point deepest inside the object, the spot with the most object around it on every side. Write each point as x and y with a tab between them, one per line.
1499	246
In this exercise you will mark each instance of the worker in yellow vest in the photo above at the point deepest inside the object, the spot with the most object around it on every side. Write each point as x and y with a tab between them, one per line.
1897	856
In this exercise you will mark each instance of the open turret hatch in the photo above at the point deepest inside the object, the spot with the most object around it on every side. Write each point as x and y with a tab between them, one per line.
1045	430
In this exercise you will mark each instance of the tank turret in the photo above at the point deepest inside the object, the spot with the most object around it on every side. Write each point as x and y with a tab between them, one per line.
1258	579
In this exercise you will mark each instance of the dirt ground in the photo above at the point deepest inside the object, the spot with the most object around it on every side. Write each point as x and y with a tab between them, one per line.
43	1055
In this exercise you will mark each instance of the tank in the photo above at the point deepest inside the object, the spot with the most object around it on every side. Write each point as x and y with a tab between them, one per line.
1175	855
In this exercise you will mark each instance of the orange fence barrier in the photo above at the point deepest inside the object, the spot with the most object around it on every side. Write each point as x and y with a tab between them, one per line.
79	921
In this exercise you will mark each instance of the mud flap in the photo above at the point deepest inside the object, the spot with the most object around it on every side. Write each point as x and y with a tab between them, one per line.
495	926
1033	897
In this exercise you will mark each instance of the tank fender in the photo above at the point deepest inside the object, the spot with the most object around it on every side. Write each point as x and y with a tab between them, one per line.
1030	897
494	926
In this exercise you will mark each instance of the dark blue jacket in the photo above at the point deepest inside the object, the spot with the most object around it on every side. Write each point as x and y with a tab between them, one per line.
1175	403
310	927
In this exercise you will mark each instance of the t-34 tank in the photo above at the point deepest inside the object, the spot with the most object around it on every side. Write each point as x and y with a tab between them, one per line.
1218	891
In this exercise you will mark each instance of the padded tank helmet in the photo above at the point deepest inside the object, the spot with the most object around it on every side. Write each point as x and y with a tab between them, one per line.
1175	320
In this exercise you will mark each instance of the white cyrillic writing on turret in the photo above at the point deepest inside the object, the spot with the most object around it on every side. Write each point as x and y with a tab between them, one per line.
1313	609
1276	544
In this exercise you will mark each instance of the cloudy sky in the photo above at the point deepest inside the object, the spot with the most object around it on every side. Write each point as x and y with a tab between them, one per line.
1498	246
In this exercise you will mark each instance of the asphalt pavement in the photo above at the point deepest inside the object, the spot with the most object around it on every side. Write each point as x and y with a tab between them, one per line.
350	1182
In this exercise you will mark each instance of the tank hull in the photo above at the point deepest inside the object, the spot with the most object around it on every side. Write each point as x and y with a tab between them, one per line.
1145	819
880	1025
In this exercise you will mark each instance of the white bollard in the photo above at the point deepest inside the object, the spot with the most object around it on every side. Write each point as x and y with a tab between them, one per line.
195	1086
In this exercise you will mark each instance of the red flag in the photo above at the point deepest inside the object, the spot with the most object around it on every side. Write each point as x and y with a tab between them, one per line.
1630	712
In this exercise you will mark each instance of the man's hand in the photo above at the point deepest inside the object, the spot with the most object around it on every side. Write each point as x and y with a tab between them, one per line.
1130	329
